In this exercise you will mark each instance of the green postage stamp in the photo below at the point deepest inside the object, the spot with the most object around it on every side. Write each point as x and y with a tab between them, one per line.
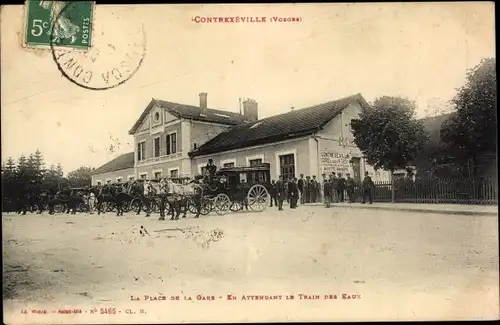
59	23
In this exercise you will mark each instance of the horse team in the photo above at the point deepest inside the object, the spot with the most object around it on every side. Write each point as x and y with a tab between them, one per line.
178	198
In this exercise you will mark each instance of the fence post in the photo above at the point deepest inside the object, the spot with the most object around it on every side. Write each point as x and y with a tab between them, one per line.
393	190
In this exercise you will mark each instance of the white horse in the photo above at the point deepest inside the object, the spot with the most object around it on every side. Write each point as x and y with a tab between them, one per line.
187	190
179	196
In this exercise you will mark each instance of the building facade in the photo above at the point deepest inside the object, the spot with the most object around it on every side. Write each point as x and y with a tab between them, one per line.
176	140
317	140
164	135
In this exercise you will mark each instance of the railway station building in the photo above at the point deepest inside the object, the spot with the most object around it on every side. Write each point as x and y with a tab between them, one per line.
176	140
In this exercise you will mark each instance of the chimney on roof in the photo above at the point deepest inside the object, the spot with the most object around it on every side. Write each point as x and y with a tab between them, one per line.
250	110
203	104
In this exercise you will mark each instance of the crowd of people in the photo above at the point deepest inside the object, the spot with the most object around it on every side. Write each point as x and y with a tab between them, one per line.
331	189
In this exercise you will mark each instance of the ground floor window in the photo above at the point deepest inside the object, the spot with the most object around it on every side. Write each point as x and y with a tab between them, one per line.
157	175
228	165
174	173
119	179
131	178
108	181
255	162
287	166
203	170
144	176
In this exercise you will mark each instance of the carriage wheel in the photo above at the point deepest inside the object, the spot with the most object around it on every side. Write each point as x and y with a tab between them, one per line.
207	206
258	198
222	203
127	207
135	204
59	208
192	206
82	207
235	206
154	207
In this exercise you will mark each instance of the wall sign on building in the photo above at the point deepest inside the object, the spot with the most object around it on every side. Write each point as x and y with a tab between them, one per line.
332	161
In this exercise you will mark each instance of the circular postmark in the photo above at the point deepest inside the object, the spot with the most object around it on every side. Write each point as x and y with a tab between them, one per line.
117	52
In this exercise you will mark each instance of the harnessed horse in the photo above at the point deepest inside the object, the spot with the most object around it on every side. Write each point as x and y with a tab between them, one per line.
178	196
110	194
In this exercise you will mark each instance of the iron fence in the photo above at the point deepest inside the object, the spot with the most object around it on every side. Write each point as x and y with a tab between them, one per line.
437	190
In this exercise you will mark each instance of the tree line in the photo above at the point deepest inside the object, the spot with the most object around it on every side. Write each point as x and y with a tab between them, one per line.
391	138
16	175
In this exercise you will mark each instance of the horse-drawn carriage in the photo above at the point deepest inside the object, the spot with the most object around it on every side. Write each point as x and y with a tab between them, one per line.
233	188
75	195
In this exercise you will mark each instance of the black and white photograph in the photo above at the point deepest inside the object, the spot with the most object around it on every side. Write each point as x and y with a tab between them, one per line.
218	163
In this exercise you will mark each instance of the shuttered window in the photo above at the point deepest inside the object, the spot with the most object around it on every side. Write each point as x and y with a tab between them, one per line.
171	143
156	147
141	151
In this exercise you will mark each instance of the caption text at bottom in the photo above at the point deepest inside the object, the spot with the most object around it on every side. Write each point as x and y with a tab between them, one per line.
231	297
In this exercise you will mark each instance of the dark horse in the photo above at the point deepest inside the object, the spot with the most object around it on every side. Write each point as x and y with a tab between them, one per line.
111	195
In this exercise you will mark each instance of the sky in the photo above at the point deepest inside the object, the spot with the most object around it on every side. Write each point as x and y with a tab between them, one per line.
420	51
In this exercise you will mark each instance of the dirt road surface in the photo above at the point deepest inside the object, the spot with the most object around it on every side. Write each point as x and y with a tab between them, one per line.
392	266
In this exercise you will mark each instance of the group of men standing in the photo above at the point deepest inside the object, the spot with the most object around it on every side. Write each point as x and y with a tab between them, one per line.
284	190
308	190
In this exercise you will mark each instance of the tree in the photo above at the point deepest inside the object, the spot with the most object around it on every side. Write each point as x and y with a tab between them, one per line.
471	132
59	170
81	177
38	157
388	134
10	165
22	163
52	178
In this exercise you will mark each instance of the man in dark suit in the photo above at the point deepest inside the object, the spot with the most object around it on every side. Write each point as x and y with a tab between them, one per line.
327	192
279	189
211	169
307	190
334	182
301	185
368	187
293	192
350	188
314	189
341	188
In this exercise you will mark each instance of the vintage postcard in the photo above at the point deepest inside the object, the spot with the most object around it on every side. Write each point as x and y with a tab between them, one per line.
248	163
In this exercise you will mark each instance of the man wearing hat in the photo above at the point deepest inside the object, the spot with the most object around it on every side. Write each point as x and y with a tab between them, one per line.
211	169
368	187
301	186
350	188
280	192
334	183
